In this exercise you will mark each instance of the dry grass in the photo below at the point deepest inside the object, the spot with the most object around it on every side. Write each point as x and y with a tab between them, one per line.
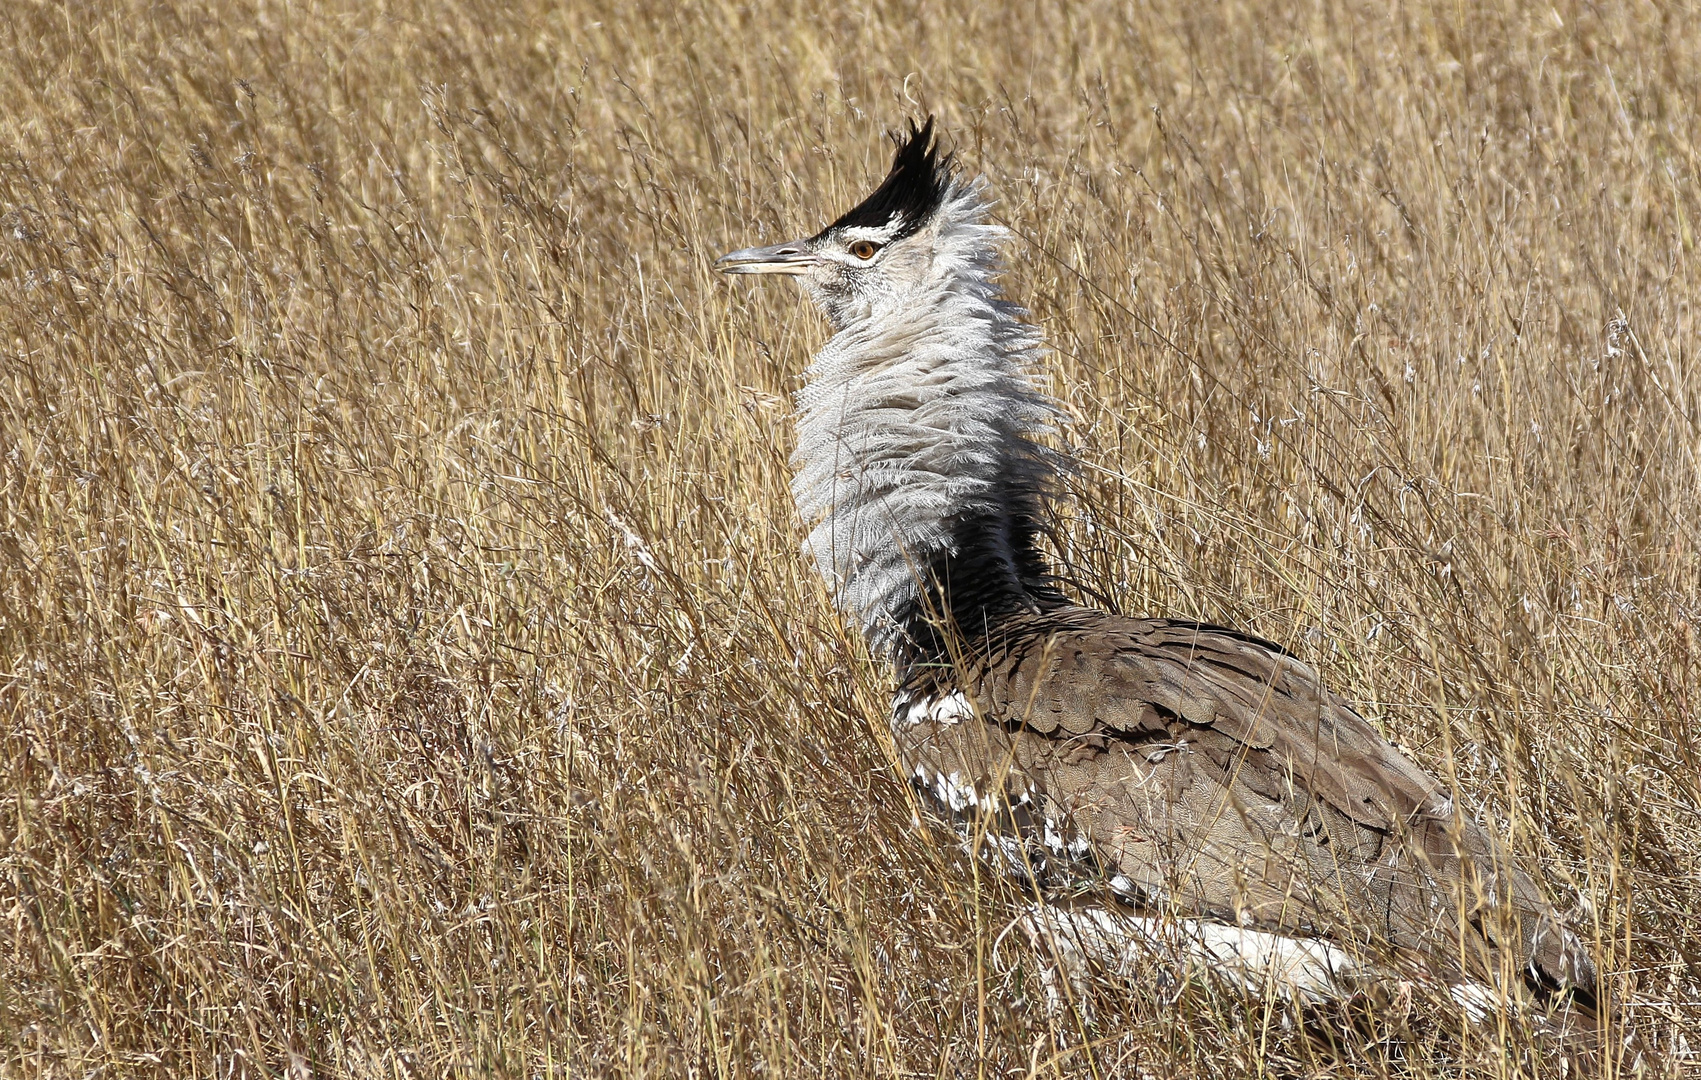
406	664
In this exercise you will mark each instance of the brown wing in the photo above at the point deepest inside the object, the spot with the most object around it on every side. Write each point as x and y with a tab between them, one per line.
1210	773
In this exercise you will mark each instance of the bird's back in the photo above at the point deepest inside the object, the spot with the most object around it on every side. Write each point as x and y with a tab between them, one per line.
1199	772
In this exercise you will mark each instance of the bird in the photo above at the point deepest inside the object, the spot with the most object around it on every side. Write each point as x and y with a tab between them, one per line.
1144	776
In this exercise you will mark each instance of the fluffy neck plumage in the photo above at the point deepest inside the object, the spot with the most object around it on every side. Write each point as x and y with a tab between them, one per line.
918	459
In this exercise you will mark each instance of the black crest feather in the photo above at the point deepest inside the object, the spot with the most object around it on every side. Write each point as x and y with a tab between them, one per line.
911	192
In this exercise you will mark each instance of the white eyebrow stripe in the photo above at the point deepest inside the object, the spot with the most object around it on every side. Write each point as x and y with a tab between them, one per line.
878	233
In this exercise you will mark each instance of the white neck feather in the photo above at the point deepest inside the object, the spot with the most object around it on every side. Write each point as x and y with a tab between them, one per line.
917	436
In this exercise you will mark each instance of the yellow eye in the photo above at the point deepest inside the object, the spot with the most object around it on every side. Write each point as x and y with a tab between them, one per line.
864	249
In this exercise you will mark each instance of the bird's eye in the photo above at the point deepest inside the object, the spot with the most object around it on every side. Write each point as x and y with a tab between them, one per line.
864	249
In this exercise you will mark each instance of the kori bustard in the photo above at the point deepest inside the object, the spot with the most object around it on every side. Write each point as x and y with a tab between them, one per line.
1152	776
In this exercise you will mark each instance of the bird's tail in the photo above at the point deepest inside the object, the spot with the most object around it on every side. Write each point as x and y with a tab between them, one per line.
1081	940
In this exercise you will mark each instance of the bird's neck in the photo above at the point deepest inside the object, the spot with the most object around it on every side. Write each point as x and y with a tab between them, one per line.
918	462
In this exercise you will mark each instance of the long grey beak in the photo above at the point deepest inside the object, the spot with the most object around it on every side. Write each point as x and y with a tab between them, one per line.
792	257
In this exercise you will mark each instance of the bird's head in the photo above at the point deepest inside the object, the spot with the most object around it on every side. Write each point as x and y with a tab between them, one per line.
882	250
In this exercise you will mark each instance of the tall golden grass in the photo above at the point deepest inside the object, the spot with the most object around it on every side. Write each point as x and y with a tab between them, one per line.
406	663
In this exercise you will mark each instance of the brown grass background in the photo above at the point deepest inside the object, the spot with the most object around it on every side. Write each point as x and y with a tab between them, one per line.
406	664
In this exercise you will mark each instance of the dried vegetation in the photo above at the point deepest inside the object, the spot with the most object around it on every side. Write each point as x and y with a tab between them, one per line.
406	666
